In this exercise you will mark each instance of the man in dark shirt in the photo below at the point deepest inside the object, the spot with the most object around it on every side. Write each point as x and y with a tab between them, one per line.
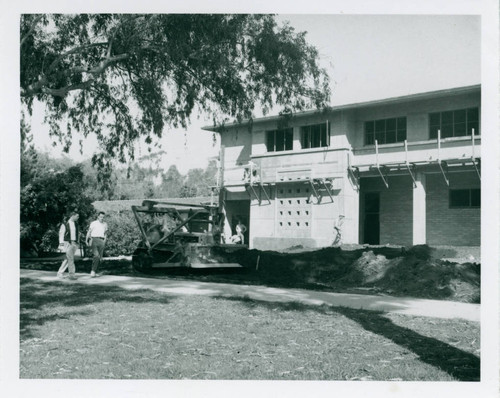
72	236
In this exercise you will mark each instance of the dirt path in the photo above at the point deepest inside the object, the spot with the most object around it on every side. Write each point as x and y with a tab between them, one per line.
401	305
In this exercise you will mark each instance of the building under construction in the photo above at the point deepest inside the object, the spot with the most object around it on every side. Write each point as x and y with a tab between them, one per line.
402	171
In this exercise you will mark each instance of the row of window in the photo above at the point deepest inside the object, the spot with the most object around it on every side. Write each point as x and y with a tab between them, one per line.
313	136
457	123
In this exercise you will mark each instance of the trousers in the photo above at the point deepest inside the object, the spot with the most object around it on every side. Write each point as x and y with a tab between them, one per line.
70	256
97	251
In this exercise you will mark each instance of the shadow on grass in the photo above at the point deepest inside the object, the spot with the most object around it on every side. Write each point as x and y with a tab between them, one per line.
36	296
460	364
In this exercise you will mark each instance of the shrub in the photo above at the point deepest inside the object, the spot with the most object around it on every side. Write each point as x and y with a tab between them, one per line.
50	241
123	234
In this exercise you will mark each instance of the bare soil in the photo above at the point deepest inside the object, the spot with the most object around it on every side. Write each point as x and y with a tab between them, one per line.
420	271
445	273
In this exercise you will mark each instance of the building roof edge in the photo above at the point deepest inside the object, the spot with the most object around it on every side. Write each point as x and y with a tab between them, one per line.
408	97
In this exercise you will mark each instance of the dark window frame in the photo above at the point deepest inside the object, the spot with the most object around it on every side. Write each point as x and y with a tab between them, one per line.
386	131
282	140
472	195
455	123
315	136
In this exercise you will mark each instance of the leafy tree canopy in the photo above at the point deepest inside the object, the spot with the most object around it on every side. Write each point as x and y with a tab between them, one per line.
49	190
122	77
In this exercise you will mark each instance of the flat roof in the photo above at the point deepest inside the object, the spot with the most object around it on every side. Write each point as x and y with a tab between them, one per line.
384	101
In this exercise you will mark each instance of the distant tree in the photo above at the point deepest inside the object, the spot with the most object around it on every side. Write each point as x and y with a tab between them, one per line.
47	194
149	189
187	191
210	174
123	77
171	184
199	181
98	189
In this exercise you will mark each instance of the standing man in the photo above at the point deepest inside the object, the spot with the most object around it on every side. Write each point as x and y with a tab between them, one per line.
96	238
63	248
71	236
337	226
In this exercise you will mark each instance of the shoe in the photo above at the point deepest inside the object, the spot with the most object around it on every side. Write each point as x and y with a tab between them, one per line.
92	274
60	275
72	277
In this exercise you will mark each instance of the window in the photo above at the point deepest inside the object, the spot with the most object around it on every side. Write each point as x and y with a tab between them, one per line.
460	198
385	131
457	123
279	140
315	136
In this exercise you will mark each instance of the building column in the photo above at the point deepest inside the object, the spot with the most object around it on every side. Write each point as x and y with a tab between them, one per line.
419	216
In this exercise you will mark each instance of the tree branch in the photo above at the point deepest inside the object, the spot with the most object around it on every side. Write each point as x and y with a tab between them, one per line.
41	84
73	51
61	92
30	31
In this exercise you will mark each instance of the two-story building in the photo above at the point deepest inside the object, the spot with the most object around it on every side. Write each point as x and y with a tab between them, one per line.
401	171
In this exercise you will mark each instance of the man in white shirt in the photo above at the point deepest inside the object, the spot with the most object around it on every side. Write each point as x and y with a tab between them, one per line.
96	238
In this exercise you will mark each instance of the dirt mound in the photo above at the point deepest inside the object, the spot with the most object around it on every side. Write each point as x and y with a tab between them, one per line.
419	271
415	272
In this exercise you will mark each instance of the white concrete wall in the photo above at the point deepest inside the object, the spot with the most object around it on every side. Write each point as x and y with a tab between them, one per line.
346	137
416	112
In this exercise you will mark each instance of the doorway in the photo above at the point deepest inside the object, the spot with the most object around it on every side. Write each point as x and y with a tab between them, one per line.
237	210
372	218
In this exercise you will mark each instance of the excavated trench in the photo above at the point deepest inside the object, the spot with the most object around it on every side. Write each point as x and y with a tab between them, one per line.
419	271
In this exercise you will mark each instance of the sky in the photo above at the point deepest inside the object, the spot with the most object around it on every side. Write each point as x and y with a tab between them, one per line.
367	56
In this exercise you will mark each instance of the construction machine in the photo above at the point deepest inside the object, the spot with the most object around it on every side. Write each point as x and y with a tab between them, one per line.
181	235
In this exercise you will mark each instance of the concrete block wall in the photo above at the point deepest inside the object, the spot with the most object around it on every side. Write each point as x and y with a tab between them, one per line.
324	215
262	215
445	226
289	220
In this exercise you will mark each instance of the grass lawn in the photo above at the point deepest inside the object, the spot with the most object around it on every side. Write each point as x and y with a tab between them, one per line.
95	332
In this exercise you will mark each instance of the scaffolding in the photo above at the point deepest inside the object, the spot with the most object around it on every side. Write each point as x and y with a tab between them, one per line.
383	169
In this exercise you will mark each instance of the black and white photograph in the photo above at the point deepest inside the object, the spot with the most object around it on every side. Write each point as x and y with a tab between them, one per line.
213	200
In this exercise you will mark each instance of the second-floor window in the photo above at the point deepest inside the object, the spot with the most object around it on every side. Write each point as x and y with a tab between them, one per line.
457	123
279	140
385	131
314	136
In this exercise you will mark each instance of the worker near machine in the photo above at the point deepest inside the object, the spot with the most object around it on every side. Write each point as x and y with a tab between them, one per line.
71	235
96	238
240	230
337	227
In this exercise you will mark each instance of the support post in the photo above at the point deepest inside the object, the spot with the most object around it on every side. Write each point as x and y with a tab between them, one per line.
328	189
353	173
263	187
473	157
314	190
409	168
440	163
419	212
384	180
